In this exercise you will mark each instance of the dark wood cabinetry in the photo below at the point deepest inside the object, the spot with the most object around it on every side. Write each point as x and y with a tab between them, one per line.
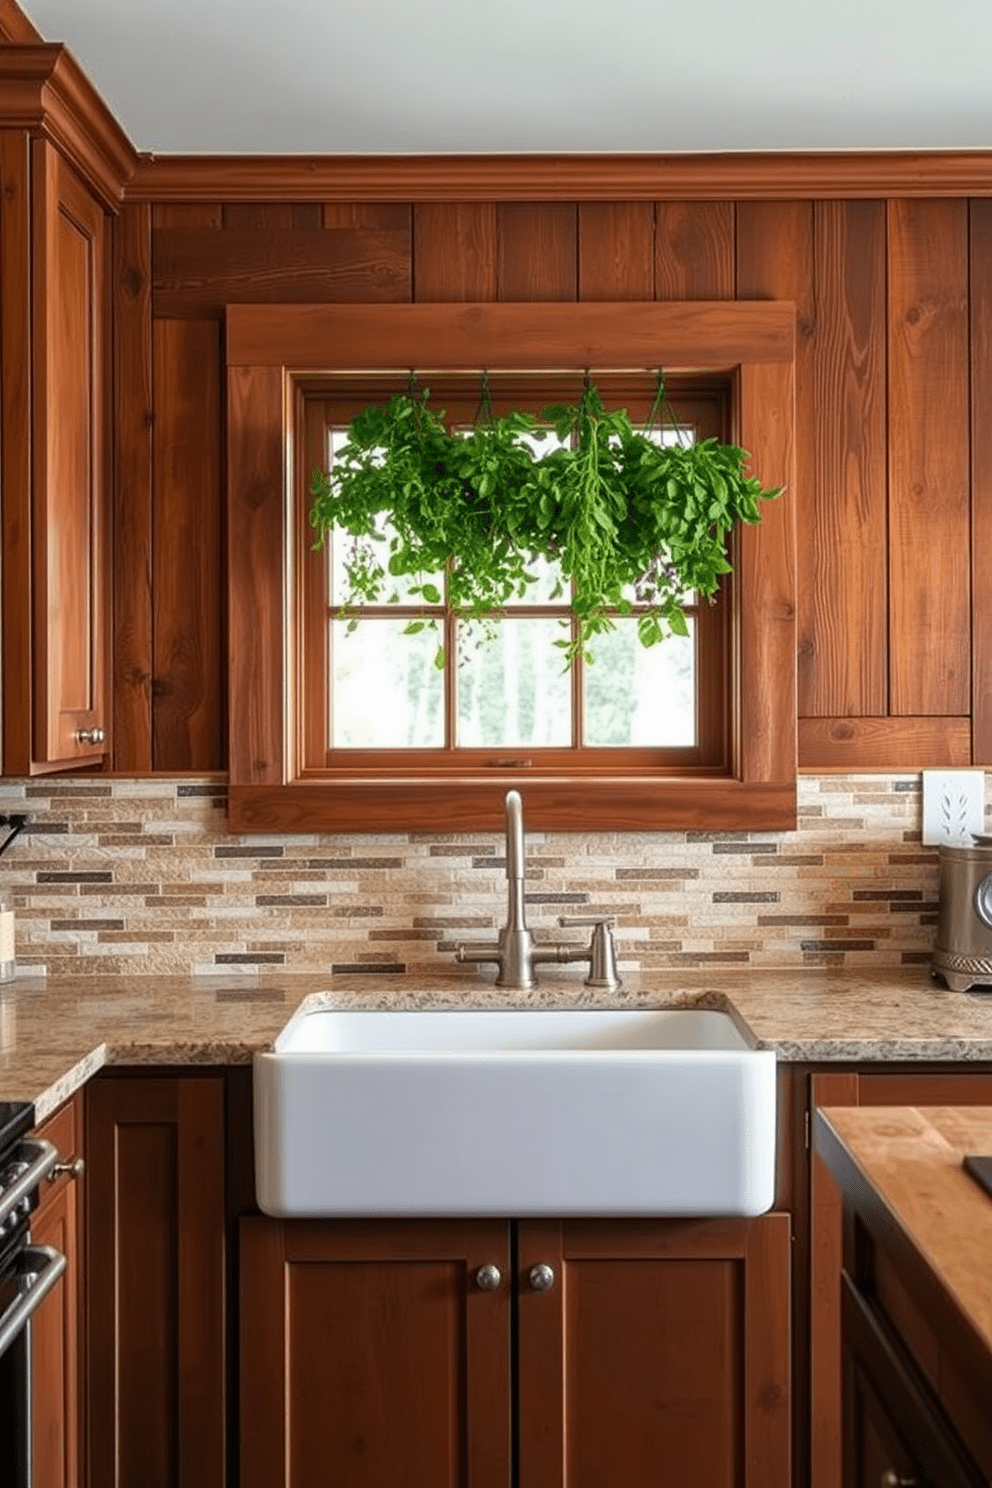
156	1282
606	1352
56	1326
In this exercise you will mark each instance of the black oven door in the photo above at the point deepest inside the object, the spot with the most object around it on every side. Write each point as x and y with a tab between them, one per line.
28	1274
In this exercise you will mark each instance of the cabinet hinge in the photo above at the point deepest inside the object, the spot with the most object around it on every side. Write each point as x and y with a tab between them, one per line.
806	1129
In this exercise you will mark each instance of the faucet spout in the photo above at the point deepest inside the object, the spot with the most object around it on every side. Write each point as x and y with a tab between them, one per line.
515	870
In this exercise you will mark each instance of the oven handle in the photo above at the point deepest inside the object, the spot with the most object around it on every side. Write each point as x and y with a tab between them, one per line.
41	1266
41	1158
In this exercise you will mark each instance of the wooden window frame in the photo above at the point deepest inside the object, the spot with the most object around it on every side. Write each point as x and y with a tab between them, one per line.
275	353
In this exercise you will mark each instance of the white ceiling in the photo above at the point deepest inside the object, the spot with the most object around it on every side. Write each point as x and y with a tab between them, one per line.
425	76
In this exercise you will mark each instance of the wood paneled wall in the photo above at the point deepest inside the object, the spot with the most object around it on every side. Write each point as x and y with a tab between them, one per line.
894	484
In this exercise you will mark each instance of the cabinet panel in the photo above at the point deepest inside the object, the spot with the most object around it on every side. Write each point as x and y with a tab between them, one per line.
661	1350
70	494
156	1282
371	1356
55	1327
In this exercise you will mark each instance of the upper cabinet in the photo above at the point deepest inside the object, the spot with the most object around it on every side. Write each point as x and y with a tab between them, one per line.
59	162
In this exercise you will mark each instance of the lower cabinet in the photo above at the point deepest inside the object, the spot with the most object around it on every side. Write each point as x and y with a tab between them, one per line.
156	1282
581	1353
55	1327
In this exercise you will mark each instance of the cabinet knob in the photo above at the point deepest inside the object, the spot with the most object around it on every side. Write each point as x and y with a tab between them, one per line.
90	736
74	1166
488	1278
542	1277
891	1479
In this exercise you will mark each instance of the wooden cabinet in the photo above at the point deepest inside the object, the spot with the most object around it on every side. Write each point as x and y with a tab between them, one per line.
853	1088
156	1282
55	1327
607	1352
54	460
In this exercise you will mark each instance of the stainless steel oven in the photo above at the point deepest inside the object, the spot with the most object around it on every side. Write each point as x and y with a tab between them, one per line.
27	1274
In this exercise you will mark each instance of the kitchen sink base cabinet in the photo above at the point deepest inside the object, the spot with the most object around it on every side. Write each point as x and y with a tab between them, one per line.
582	1353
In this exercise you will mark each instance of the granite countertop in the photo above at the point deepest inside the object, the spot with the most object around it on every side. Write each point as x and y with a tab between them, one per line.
55	1034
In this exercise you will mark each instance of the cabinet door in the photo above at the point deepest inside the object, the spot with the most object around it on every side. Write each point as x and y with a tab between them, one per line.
70	488
371	1356
654	1353
156	1282
55	1327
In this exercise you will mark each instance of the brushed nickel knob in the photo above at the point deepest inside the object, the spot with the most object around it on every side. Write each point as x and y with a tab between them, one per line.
890	1479
90	736
542	1277
488	1278
75	1167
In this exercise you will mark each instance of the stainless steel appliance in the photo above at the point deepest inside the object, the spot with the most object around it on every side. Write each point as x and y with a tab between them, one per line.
964	931
27	1274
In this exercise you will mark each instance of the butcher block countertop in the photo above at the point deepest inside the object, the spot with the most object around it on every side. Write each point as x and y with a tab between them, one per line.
55	1034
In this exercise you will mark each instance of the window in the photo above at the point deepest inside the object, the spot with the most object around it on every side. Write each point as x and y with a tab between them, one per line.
287	773
375	699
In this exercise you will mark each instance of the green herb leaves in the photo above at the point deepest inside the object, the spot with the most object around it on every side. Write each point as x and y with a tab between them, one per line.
628	520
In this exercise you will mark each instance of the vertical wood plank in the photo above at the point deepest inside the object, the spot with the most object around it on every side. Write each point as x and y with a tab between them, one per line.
694	251
15	448
454	251
201	1272
843	577
775	262
257	216
616	251
981	478
258	687
767	1349
375	216
929	426
537	250
133	414
188	717
826	1261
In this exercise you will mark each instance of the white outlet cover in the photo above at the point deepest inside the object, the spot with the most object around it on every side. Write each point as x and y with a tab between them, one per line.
953	806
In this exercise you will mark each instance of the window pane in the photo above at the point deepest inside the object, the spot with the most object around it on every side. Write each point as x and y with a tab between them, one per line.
386	692
512	686
638	695
341	545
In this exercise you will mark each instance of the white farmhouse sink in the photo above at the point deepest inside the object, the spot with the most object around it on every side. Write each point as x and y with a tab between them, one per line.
514	1113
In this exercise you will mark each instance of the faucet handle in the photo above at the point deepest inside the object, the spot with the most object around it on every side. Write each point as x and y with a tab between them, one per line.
602	951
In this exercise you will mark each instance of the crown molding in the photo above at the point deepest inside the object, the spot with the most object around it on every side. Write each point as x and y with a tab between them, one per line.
464	178
15	25
44	90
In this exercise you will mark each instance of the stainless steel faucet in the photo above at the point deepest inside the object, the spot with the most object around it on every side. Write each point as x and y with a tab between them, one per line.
515	952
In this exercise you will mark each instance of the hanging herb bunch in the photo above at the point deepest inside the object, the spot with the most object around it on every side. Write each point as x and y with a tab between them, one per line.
617	511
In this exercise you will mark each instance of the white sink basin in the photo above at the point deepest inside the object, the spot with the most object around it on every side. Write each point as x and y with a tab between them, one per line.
514	1113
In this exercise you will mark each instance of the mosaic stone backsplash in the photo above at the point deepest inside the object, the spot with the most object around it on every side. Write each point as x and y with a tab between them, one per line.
141	876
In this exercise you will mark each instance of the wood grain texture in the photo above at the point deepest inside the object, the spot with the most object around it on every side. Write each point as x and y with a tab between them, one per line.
368	1353
454	251
704	334
187	214
198	271
780	176
884	743
843	637
56	1329
826	1263
156	1362
695	250
188	716
980	311
132	536
616	251
15	25
662	1347
71	464
766	579
15	450
537	251
929	426
259	689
